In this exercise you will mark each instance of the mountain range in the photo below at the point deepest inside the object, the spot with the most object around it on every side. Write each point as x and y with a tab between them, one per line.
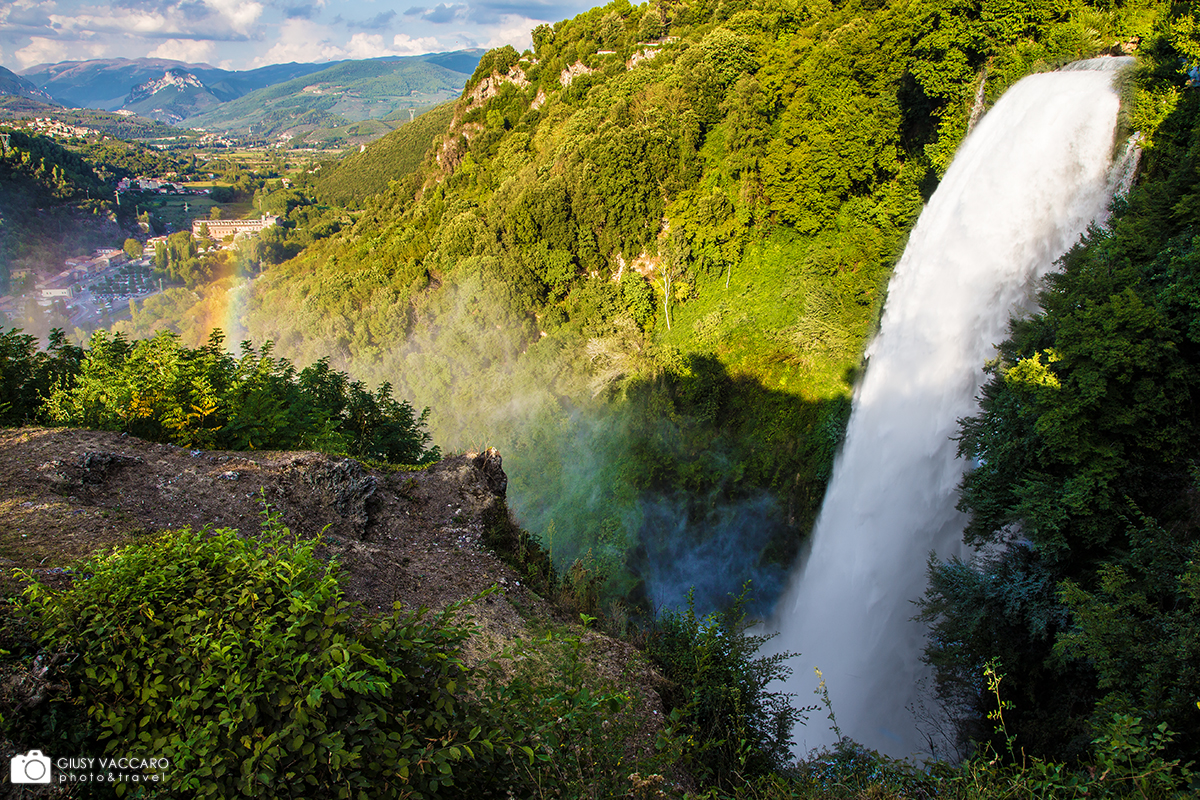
283	101
16	86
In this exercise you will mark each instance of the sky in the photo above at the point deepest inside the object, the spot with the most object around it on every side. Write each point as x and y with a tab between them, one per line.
244	34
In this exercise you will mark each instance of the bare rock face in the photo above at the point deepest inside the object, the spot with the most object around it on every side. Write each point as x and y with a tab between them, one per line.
490	465
414	537
91	468
475	482
340	486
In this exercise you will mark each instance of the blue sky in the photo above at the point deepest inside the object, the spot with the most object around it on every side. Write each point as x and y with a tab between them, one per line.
243	34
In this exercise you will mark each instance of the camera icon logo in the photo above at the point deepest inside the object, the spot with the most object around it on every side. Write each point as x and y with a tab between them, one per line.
33	767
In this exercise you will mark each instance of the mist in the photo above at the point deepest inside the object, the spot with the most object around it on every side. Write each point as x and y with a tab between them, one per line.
604	468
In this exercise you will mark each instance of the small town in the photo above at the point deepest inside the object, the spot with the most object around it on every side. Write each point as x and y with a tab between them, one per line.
78	289
89	287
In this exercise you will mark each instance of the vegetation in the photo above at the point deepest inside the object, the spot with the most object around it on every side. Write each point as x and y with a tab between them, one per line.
392	158
275	683
654	248
645	259
367	90
739	730
48	188
122	159
29	375
271	684
159	390
107	122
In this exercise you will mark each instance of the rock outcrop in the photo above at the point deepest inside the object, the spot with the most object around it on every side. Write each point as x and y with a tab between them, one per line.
414	537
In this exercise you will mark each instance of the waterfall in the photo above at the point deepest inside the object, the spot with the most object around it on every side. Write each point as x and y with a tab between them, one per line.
1025	184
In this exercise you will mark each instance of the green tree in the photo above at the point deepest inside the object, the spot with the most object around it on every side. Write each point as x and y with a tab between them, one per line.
719	694
1085	446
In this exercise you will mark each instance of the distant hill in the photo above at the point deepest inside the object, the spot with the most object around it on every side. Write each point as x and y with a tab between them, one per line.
107	83
343	94
14	85
172	97
321	104
120	125
396	155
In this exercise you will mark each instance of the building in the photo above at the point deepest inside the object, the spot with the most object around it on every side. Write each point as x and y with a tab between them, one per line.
220	228
109	258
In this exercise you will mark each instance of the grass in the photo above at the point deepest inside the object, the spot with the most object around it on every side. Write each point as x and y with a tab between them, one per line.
753	324
171	210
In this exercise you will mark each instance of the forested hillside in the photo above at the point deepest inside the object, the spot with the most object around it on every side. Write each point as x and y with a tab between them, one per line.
646	257
644	261
394	157
47	187
340	96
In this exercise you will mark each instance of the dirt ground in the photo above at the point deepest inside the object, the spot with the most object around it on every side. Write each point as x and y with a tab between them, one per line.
409	537
413	537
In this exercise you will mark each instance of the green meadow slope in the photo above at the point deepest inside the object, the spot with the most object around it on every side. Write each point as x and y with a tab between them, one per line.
353	91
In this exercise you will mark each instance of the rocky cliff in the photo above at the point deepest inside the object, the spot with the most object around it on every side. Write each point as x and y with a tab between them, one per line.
409	537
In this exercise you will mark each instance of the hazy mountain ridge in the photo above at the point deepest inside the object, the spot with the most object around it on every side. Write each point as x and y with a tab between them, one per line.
106	83
15	85
342	94
171	98
122	126
293	98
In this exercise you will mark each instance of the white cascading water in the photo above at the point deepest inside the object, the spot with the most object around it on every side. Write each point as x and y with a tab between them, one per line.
1023	187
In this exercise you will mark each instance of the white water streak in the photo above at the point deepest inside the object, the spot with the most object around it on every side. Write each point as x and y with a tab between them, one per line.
1022	189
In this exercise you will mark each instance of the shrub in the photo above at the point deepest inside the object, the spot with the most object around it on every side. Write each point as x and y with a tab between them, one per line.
242	663
735	729
28	375
572	733
160	390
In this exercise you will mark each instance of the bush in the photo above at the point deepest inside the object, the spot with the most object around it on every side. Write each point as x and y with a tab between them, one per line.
158	389
27	375
572	734
241	662
735	729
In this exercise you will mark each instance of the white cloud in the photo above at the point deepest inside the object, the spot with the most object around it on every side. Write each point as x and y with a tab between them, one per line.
41	50
513	30
240	15
406	46
134	22
367	45
215	19
191	50
303	41
25	12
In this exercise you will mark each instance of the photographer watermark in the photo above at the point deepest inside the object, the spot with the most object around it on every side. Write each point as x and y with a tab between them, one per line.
33	767
37	767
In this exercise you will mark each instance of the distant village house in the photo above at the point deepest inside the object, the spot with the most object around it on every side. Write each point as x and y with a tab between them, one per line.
220	228
67	291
